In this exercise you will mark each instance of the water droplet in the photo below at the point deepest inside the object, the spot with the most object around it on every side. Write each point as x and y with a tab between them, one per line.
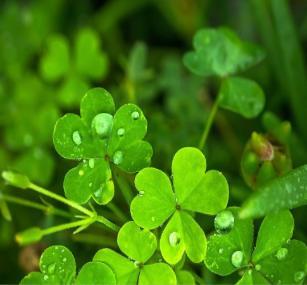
153	219
136	263
120	132
237	258
81	172
64	259
141	193
135	115
51	268
46	277
91	163
281	253
90	184
102	124
76	138
224	222
258	267
118	157
221	250
174	239
299	276
98	193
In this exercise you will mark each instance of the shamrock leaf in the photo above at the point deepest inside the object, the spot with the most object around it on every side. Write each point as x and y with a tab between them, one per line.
57	266
220	52
100	139
194	190
139	245
76	66
252	277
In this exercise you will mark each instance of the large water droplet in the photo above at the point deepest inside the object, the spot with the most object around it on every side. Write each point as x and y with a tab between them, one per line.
299	276
237	258
174	239
281	253
224	222
91	163
76	138
102	124
120	132
135	115
51	268
118	157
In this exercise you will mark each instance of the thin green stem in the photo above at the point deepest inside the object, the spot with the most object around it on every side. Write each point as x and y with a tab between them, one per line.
209	123
123	186
107	223
117	211
23	202
59	198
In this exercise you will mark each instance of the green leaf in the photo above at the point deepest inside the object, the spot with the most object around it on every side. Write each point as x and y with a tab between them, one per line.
223	250
58	261
290	189
275	230
252	277
72	91
94	102
242	96
185	277
29	236
33	278
129	126
156	200
157	273
138	244
220	52
73	140
56	62
90	60
126	272
15	179
286	268
137	62
183	234
96	273
89	178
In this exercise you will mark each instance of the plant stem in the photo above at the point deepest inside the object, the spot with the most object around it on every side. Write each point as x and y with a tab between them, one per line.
34	205
209	123
107	223
117	211
59	198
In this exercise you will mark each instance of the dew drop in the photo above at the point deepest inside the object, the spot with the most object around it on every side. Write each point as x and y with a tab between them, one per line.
91	163
102	124
76	138
120	132
281	253
81	172
90	184
46	277
51	268
135	115
141	193
153	219
98	193
258	267
174	239
299	276
221	250
224	222
237	258
64	259
118	157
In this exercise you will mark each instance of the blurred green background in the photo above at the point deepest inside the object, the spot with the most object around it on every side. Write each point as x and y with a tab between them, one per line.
52	51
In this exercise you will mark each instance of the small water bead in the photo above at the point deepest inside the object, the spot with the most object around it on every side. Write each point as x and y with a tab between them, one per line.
46	277
153	219
224	222
221	250
237	258
51	268
174	239
91	163
81	172
281	253
141	193
76	138
118	157
64	259
258	267
102	124
299	276
90	184
120	132
135	115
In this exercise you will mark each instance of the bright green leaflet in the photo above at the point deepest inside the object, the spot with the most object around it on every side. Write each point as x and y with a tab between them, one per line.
29	236
96	273
57	265
289	268
157	273
144	242
17	180
194	190
242	96
252	277
99	138
290	189
220	52
221	247
276	229
185	277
